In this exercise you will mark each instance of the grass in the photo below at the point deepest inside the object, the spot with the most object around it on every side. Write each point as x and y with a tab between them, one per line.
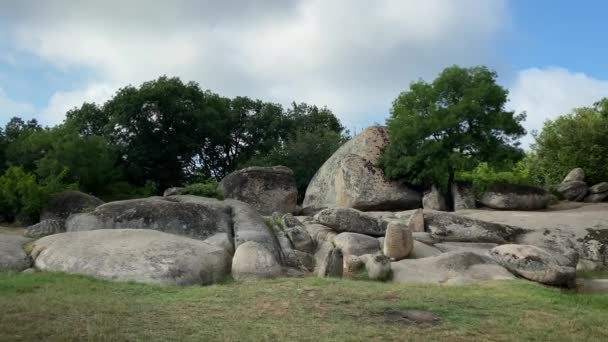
60	307
600	274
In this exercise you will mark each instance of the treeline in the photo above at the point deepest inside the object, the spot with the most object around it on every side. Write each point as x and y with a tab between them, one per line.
161	134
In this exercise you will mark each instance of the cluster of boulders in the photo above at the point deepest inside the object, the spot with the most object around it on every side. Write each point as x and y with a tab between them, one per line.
353	223
574	188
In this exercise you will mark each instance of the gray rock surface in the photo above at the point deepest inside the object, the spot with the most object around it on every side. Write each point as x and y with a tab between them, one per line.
329	261
596	198
139	255
357	244
456	228
455	268
378	267
481	248
573	190
433	199
351	220
320	233
536	264
267	189
357	182
12	256
515	198
422	250
63	204
45	228
463	196
416	222
575	175
174	191
599	188
398	242
253	261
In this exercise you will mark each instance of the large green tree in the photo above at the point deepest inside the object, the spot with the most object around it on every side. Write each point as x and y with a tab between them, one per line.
578	139
449	125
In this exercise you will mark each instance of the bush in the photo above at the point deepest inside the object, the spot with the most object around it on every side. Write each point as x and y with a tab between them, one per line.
484	177
204	189
575	140
21	197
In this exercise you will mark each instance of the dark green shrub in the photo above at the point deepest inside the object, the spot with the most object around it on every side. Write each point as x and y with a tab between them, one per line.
21	197
484	177
204	189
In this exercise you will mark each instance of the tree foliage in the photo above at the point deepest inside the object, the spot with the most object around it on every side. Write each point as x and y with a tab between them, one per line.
578	139
449	125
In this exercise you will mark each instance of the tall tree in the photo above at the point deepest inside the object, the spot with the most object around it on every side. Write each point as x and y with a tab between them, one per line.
452	124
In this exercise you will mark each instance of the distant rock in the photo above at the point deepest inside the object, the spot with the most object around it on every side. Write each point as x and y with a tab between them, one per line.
481	248
434	200
139	255
463	196
63	204
174	191
515	197
451	227
575	175
349	178
329	261
416	222
267	189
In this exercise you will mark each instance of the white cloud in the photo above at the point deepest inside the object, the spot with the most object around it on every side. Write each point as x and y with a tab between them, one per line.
550	92
10	108
62	101
353	55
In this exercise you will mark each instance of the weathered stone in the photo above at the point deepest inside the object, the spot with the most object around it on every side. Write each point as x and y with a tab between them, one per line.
454	268
361	185
596	198
45	228
139	255
398	242
297	234
12	256
575	175
416	222
463	196
330	261
253	261
599	188
352	265
320	233
378	267
63	204
560	242
198	220
434	200
222	240
573	191
174	191
347	180
422	250
267	189
515	197
356	244
481	248
424	237
451	227
351	220
535	263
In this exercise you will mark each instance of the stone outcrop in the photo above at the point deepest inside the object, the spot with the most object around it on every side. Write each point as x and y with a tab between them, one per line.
357	244
454	268
174	191
451	227
253	261
45	228
267	189
463	196
63	204
12	256
515	197
398	242
573	190
139	255
349	178
433	199
575	175
351	220
329	261
536	264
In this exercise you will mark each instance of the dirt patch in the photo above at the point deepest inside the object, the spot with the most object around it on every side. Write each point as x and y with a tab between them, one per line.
410	317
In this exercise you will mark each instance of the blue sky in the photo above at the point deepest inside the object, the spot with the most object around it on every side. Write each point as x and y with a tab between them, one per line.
354	58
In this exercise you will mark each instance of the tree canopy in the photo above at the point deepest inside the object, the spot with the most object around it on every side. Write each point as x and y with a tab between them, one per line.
449	125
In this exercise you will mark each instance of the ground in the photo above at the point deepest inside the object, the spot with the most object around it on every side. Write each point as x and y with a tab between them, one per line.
59	307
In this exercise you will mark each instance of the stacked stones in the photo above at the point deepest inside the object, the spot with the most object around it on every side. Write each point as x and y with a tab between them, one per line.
574	188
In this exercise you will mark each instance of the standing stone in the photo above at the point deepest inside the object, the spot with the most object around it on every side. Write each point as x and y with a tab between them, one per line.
267	189
350	178
398	242
416	222
463	196
331	264
576	175
434	200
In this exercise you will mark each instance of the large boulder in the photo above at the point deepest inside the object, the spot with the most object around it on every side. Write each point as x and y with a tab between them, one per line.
357	244
254	261
63	204
451	227
349	178
45	228
575	175
267	189
433	199
455	268
515	197
536	264
139	255
398	243
351	220
198	220
12	256
573	190
463	196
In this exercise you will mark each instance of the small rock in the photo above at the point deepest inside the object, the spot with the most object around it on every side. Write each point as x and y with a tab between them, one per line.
12	256
398	242
596	198
378	267
481	248
452	227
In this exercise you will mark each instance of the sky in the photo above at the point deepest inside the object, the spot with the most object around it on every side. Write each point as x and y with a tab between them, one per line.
353	56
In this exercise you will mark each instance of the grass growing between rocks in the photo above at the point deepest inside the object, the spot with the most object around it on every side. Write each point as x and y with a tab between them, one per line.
59	307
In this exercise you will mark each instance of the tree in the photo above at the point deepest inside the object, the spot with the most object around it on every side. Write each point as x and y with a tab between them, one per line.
578	139
88	120
450	125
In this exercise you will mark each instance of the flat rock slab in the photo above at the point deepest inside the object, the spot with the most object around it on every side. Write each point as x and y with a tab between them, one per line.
12	256
139	255
456	228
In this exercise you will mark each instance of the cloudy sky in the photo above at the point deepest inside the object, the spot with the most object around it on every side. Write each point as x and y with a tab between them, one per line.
354	56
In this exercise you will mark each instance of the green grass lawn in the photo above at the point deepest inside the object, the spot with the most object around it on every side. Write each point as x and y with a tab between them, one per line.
59	307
